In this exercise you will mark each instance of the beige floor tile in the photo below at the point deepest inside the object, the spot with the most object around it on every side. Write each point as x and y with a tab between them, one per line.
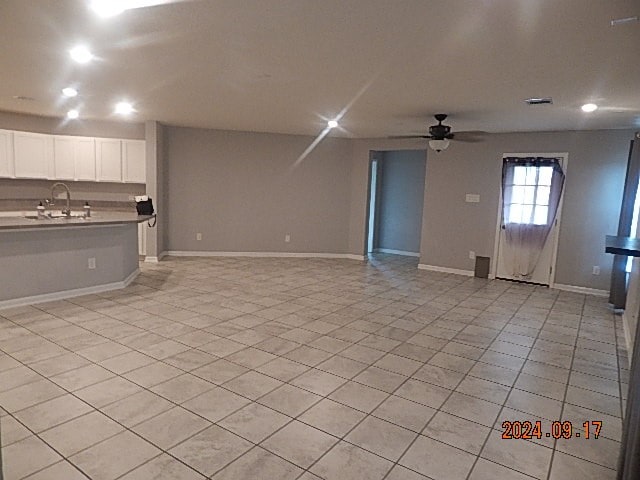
220	371
152	374
171	427
486	470
215	404
211	450
405	413
27	456
437	460
80	433
28	395
283	369
397	364
472	408
381	437
289	400
421	392
137	408
380	379
255	422
108	391
602	451
113	457
60	364
458	432
252	385
59	471
520	455
535	405
565	466
250	357
348	462
319	382
402	473
342	366
359	396
484	389
53	412
182	388
332	417
299	443
126	362
163	467
259	464
12	431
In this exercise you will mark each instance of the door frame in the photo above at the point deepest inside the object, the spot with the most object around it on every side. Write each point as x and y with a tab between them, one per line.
558	221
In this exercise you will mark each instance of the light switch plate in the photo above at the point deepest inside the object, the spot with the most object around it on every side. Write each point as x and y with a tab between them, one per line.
472	198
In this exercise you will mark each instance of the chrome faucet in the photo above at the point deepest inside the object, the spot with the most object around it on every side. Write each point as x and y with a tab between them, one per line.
66	211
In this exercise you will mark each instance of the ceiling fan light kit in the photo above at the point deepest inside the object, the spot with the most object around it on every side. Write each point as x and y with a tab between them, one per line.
439	145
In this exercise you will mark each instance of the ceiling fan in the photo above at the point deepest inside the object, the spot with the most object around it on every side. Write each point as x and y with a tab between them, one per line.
439	135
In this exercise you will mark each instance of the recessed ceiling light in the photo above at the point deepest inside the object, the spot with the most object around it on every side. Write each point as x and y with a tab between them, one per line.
332	124
107	8
124	108
73	114
589	107
69	92
81	54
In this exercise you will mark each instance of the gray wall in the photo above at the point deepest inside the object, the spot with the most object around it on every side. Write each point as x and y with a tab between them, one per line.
243	193
401	200
451	227
82	127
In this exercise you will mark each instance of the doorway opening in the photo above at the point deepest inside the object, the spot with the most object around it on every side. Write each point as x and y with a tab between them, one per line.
395	202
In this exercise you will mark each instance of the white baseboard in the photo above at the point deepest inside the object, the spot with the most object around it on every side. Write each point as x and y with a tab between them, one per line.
583	290
398	252
150	259
455	271
184	253
64	294
627	336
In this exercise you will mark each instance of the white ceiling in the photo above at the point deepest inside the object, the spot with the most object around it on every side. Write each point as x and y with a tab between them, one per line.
289	65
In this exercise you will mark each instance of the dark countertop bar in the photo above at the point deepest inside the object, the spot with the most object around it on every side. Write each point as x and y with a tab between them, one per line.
629	246
8	223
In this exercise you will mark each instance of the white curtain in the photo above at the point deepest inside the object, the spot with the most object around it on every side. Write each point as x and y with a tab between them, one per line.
532	187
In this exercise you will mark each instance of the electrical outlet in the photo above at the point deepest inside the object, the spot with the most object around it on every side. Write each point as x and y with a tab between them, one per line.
287	238
91	263
198	236
596	270
472	255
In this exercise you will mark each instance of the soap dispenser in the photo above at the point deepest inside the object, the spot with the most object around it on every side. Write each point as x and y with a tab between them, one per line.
40	210
87	209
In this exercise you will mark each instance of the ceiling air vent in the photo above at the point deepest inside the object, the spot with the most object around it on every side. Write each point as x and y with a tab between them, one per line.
539	101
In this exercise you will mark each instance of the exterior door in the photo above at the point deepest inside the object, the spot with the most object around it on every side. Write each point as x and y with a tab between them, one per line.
533	188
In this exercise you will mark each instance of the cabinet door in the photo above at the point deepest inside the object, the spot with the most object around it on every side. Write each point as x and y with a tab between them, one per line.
6	154
63	158
109	159
33	154
134	161
85	159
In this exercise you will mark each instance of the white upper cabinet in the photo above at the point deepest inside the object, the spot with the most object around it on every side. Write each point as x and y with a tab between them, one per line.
33	154
85	159
64	158
109	159
134	161
6	154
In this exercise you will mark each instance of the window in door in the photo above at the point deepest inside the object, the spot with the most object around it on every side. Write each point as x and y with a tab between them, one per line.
530	191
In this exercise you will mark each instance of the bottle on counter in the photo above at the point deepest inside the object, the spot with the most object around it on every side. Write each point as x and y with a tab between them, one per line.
40	209
87	209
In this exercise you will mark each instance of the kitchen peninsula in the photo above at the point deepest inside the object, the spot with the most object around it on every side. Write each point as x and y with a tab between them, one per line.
54	258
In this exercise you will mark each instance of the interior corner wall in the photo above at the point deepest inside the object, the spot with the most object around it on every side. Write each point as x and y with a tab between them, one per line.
591	205
156	174
245	191
401	200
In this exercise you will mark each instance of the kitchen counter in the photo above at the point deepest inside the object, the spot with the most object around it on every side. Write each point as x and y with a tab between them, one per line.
17	220
629	246
54	259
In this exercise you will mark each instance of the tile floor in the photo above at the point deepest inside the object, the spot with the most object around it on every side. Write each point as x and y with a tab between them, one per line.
306	369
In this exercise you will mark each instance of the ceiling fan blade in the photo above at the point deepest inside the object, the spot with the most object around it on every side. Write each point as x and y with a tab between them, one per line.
469	136
408	136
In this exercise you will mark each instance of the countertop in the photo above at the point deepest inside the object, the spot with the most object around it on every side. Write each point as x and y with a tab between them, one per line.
17	221
629	246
